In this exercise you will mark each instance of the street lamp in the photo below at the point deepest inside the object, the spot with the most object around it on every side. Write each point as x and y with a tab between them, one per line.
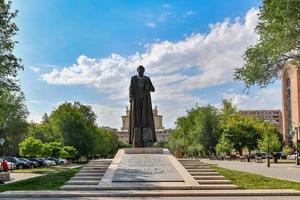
297	144
268	156
295	134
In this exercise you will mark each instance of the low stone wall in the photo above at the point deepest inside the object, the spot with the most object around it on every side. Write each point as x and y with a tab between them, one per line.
5	176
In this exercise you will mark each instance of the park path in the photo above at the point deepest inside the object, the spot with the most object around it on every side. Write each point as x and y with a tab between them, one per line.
289	172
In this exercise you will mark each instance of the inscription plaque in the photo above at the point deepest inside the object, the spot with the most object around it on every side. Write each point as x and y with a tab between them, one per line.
146	168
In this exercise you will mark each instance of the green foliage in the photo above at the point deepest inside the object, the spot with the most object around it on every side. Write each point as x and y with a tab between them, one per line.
9	63
242	131
199	129
31	147
161	143
279	43
224	145
206	130
287	150
76	125
269	142
68	152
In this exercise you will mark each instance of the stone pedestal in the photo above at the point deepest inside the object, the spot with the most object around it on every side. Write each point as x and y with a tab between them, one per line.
146	168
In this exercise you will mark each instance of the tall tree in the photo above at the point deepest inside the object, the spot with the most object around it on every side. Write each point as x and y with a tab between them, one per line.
9	63
76	125
13	125
279	43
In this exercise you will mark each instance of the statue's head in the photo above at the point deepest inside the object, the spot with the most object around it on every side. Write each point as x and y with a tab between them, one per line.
141	70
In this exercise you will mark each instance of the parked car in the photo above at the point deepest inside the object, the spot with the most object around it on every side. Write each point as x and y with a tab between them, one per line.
54	159
49	162
292	157
32	163
62	161
41	162
279	155
264	155
10	164
19	163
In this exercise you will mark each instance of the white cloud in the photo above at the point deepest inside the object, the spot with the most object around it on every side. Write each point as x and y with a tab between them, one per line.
151	24
167	5
212	58
265	98
35	69
189	13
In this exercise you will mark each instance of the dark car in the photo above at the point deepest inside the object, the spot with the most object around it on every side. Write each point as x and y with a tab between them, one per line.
19	163
40	161
279	155
32	163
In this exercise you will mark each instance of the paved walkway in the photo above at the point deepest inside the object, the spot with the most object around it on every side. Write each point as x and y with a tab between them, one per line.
168	198
22	176
282	171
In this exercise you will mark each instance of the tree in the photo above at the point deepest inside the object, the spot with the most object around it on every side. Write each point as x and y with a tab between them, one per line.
31	147
279	43
71	152
13	125
224	145
75	123
198	131
9	63
241	131
269	143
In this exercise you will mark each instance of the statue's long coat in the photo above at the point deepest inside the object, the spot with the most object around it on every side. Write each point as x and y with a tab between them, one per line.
146	112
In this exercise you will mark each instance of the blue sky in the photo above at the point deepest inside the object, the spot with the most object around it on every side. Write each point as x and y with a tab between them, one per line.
77	50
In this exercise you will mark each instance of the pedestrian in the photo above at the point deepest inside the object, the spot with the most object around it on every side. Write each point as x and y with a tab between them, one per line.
4	165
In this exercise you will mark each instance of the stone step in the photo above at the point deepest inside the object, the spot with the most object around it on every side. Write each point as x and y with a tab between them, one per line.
83	178
197	167
209	177
214	182
92	171
262	194
203	173
79	187
217	187
89	174
95	167
85	182
200	170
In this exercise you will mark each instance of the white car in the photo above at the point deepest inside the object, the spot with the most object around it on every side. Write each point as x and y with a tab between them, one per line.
49	162
292	157
62	161
10	164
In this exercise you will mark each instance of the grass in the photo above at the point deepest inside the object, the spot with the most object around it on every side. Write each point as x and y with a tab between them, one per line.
246	180
44	170
52	181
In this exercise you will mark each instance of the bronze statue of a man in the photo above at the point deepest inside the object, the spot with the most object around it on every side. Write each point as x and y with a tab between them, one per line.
141	123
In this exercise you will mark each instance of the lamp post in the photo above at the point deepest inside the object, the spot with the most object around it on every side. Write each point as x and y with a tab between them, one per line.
268	155
297	145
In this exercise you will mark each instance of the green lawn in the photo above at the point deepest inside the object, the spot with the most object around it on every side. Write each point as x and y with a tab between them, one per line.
246	180
51	181
43	170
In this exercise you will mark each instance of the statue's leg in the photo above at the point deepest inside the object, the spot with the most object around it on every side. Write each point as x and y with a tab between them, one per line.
147	137
137	138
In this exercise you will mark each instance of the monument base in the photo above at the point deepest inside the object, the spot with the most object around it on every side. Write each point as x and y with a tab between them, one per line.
146	168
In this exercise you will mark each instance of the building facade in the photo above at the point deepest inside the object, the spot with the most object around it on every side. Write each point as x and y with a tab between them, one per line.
161	132
290	102
272	116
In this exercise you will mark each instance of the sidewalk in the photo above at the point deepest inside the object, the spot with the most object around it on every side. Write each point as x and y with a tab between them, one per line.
22	176
289	172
